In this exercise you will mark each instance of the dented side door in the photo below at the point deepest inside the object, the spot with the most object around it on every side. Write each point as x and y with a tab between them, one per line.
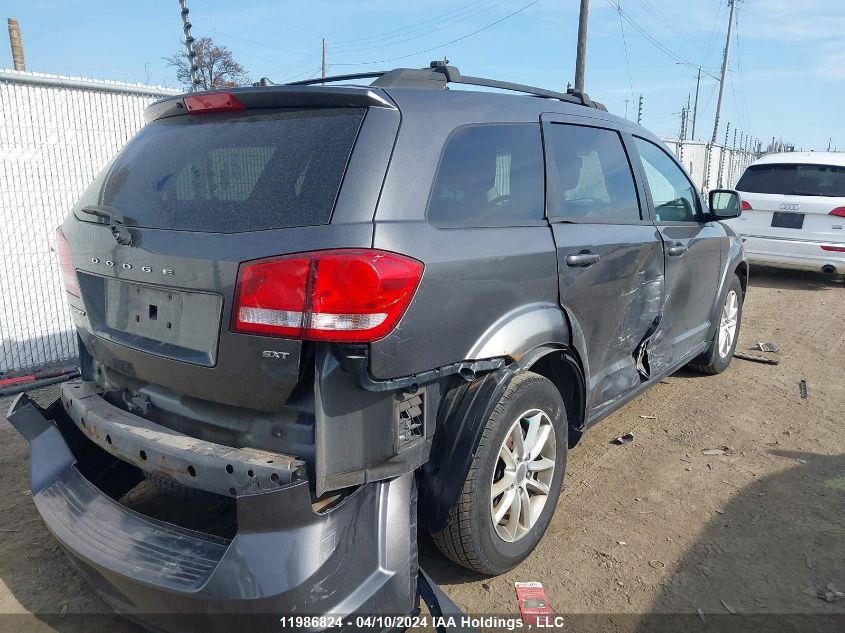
609	253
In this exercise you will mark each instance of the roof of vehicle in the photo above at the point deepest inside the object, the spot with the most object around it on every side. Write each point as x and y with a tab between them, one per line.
805	158
425	88
419	90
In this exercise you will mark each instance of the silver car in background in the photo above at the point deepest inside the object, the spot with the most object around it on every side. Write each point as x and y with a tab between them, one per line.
793	211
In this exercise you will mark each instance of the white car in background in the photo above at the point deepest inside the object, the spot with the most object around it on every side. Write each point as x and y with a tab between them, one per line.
793	211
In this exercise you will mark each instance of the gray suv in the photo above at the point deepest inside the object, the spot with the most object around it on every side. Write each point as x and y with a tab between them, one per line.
314	319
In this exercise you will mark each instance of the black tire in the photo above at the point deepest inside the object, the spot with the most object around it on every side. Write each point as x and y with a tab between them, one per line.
471	539
711	361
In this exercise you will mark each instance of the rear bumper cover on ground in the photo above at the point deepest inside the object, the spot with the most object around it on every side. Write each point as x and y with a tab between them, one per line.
358	558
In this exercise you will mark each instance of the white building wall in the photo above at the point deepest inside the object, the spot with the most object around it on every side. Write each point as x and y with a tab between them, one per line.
56	134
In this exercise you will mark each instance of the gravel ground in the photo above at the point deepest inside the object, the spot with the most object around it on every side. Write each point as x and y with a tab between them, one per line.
660	525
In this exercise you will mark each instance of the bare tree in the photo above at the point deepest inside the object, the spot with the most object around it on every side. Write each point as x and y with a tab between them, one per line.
218	69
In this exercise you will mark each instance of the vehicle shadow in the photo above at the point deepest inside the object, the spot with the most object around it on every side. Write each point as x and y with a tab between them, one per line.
784	279
761	562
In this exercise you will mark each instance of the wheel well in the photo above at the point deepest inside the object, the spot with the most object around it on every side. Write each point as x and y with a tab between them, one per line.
564	370
741	271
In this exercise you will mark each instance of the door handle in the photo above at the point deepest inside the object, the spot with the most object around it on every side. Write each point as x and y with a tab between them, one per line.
676	249
583	259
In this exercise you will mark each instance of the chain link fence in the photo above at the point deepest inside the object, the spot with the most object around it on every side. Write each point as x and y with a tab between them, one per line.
56	134
712	166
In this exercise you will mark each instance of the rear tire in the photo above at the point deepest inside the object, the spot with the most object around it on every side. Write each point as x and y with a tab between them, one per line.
718	356
528	485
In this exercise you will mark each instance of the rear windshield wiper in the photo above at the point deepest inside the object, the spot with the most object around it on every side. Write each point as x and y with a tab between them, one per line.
116	222
805	193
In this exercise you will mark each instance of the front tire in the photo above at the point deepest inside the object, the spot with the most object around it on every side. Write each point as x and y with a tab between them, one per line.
514	480
718	356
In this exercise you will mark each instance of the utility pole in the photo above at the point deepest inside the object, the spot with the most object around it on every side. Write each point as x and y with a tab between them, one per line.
724	71
699	70
324	58
640	111
196	81
683	132
17	44
581	53
695	107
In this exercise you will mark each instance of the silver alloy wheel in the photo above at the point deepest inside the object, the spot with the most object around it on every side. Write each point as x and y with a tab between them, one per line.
727	324
523	474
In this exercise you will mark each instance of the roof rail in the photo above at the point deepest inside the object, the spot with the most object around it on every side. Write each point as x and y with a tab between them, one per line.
439	74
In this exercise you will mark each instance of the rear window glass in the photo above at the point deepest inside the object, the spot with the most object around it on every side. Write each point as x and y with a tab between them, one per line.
233	172
490	175
794	180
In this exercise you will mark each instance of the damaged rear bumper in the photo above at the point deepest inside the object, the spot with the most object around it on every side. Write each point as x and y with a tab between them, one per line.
286	559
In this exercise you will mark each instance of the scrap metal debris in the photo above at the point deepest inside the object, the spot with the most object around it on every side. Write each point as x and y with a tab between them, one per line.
623	439
802	388
532	601
728	607
757	359
767	346
830	593
721	450
648	417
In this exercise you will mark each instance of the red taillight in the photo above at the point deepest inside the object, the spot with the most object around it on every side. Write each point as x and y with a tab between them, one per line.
839	211
746	206
835	249
212	102
66	264
354	295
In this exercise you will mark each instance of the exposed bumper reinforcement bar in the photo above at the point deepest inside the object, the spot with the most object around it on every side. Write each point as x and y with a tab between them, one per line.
164	452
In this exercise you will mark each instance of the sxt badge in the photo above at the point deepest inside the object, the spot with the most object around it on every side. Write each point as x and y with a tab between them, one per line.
268	353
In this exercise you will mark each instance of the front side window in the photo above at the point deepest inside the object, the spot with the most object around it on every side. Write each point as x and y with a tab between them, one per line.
590	178
674	196
489	175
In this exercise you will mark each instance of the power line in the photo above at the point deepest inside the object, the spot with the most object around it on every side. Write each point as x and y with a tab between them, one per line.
651	39
656	13
711	39
430	21
433	48
625	47
285	23
742	91
418	31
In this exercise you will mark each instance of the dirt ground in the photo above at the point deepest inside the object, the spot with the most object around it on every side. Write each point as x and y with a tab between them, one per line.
654	526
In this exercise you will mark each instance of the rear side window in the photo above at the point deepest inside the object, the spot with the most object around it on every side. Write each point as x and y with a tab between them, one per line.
794	180
233	172
490	175
590	177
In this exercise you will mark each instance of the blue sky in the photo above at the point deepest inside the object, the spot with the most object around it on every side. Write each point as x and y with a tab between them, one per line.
786	79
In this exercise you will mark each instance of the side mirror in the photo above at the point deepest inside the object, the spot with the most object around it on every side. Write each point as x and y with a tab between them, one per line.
724	204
